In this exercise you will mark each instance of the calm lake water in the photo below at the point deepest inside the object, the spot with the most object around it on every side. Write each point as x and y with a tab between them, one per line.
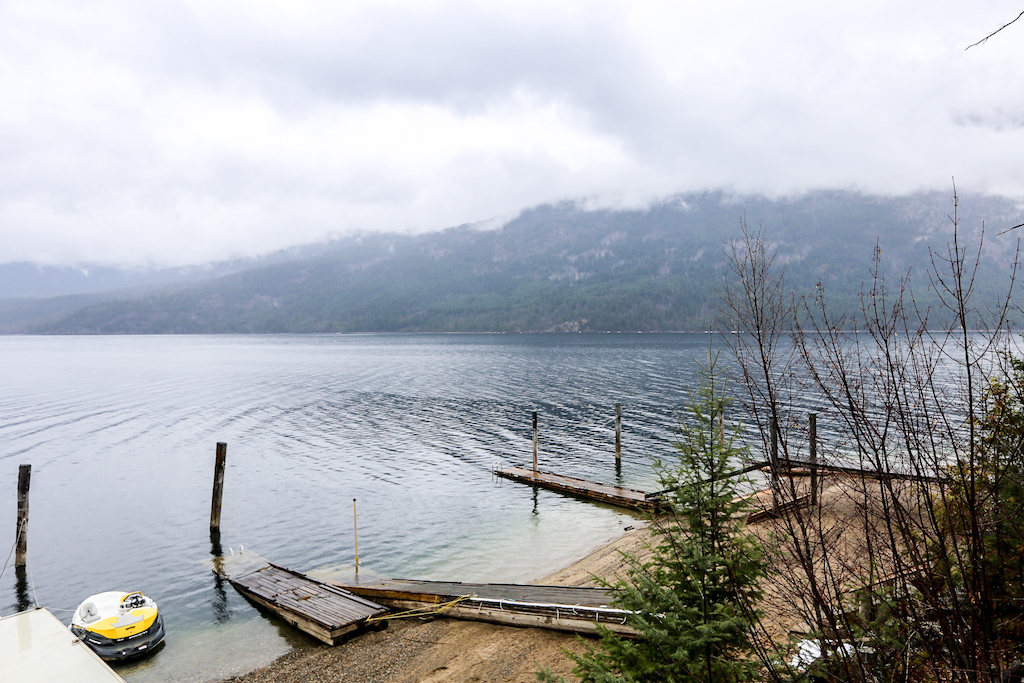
121	432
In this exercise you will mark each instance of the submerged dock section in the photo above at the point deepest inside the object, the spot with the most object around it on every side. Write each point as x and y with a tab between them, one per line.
561	608
324	611
606	493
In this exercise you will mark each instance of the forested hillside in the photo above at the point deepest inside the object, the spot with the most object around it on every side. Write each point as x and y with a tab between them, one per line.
561	268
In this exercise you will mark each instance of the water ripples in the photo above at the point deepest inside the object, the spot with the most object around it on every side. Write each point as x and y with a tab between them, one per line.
121	431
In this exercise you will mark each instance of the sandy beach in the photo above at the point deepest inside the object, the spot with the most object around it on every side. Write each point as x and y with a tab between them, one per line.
440	650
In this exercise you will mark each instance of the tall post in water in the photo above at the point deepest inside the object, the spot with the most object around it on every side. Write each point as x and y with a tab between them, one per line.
355	531
812	419
775	465
218	487
618	433
21	532
535	443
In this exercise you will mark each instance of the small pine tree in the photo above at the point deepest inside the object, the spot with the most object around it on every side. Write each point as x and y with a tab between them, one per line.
694	601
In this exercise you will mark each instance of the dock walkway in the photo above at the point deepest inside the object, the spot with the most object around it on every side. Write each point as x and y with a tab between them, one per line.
562	608
615	495
324	611
36	647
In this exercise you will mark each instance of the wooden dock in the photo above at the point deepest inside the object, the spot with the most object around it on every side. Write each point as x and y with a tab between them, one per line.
324	611
561	608
606	493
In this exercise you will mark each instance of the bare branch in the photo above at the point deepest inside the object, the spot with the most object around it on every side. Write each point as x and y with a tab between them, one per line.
1009	229
926	570
992	34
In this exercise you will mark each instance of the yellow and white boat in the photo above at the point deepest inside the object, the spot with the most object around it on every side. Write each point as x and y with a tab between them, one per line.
117	625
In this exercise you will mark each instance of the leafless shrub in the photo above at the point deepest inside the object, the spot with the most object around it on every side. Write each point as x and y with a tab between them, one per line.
910	568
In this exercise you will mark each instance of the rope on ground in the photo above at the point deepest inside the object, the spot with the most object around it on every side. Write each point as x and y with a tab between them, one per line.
422	612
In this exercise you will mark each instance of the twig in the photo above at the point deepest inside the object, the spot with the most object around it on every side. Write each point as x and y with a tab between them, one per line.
1009	229
992	34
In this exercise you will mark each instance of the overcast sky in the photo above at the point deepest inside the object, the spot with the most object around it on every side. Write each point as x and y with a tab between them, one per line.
167	132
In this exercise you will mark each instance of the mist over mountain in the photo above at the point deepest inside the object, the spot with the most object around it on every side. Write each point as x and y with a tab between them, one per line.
554	268
24	280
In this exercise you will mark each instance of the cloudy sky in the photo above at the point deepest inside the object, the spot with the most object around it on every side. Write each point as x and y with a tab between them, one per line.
169	132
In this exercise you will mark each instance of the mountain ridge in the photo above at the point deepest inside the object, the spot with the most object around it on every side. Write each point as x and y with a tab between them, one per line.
558	268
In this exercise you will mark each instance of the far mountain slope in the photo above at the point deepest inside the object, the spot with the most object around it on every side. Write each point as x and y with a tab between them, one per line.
559	268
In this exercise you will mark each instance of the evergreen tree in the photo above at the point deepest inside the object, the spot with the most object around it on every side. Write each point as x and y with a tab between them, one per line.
694	601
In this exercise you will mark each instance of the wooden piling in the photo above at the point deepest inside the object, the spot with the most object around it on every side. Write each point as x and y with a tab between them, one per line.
355	531
535	443
21	532
218	486
812	419
618	433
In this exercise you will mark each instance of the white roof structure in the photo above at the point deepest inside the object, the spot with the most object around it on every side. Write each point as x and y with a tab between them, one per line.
36	647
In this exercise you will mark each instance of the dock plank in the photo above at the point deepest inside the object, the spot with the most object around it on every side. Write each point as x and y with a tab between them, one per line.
325	611
562	608
566	595
331	609
607	493
853	466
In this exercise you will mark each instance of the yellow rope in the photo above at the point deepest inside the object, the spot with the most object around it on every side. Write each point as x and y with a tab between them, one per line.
422	612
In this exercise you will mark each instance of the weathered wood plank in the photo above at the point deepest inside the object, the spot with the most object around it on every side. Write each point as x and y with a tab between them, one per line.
560	608
327	608
565	621
607	493
442	591
856	467
324	611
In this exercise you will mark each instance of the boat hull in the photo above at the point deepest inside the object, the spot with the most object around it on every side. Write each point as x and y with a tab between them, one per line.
130	647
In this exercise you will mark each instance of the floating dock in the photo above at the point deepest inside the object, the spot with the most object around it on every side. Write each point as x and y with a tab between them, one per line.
36	647
324	611
606	493
561	608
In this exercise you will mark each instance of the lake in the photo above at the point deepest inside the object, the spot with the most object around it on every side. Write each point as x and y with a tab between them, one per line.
121	433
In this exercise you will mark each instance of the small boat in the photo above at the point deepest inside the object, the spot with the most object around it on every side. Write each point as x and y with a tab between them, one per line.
117	625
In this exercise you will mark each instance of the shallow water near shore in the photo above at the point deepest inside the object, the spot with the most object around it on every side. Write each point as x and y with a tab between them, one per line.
120	432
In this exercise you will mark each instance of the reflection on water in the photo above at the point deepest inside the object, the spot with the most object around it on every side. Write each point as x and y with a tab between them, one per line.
21	598
121	432
221	610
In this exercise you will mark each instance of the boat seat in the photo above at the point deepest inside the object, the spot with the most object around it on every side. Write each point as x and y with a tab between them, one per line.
89	612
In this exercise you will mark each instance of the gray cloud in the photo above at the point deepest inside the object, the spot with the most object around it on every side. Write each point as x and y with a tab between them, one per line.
175	132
